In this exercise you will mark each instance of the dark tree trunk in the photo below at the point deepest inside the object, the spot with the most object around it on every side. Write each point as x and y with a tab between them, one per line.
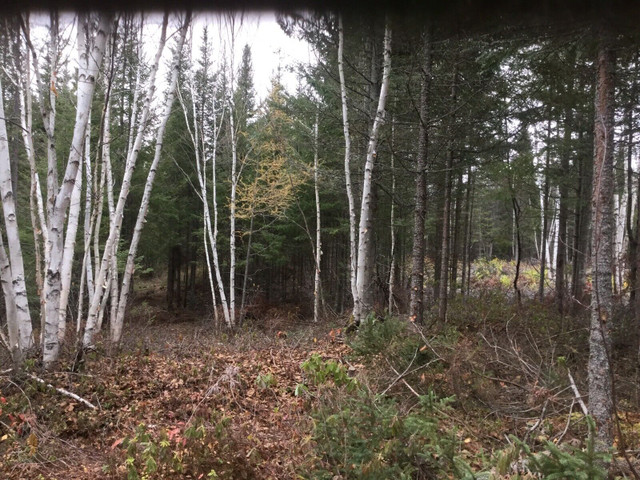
416	307
446	213
455	244
561	257
600	387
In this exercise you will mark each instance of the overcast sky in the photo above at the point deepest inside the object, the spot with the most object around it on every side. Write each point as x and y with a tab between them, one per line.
270	47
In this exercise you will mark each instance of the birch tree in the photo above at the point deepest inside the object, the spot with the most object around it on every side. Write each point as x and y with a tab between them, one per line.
364	272
353	253
91	47
118	212
20	333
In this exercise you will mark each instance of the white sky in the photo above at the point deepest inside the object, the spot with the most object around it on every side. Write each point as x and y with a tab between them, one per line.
270	47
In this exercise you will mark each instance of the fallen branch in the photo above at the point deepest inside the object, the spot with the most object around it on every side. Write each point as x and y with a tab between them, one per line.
403	380
63	392
577	393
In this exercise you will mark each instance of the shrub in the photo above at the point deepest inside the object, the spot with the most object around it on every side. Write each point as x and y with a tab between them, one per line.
358	435
200	450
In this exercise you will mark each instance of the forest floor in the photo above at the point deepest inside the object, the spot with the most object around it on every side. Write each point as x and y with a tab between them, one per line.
180	398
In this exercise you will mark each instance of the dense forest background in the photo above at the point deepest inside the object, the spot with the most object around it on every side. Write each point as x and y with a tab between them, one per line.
423	174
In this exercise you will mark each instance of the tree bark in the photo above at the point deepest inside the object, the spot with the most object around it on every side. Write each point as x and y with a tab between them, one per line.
19	288
365	261
446	217
416	306
353	253
600	387
116	219
90	59
118	322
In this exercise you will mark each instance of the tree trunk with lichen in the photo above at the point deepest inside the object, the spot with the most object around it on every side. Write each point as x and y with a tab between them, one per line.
600	388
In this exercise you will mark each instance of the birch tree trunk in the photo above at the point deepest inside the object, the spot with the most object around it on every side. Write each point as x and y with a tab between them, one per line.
18	291
318	252
116	219
544	234
213	232
600	388
90	58
10	306
347	169
392	220
365	262
36	204
118	322
67	254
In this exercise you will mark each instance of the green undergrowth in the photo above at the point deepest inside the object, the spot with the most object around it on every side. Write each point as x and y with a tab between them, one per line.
363	429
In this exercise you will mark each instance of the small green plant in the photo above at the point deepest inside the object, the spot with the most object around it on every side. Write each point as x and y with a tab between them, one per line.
266	380
198	450
363	436
375	335
555	462
321	371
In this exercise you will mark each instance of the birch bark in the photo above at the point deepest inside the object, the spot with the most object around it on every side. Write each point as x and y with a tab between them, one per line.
118	322
19	289
353	253
318	252
116	219
365	262
90	58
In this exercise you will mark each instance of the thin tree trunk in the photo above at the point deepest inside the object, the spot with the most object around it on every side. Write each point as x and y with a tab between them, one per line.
318	257
416	306
365	261
90	60
563	214
118	322
545	217
446	218
116	219
353	253
245	276
392	219
19	290
600	387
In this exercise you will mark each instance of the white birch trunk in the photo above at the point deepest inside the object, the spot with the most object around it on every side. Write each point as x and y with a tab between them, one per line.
363	274
88	209
19	290
106	165
213	235
392	220
232	216
67	254
118	322
116	218
318	252
210	239
10	304
38	221
353	259
90	59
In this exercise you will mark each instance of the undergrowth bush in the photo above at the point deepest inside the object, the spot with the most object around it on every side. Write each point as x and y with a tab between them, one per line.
358	435
200	450
375	335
